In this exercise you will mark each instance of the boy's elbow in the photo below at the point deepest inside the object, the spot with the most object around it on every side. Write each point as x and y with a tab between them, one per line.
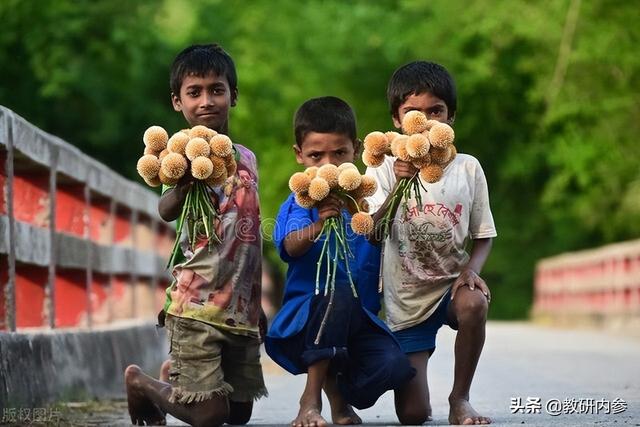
291	251
166	214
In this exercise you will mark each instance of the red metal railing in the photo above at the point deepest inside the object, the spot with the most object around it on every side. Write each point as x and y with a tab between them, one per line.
79	244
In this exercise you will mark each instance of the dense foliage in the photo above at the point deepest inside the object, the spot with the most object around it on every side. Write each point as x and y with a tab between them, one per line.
548	95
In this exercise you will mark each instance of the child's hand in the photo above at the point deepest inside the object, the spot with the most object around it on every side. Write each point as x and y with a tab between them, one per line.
184	185
470	278
329	207
404	169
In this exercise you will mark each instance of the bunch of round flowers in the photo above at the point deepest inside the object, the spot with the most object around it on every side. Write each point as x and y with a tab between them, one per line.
427	144
345	181
199	153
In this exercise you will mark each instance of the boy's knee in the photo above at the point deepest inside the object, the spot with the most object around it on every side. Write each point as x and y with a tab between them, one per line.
210	420
472	307
213	412
413	416
239	413
398	368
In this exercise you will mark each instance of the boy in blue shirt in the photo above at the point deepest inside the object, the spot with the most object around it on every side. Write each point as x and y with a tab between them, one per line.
357	359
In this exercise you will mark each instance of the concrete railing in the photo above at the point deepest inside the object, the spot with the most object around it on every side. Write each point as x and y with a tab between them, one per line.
79	244
602	284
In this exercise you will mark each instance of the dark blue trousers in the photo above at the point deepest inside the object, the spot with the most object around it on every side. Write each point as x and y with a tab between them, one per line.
365	357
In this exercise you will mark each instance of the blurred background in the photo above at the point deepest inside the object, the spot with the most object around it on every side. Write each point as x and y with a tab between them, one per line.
547	93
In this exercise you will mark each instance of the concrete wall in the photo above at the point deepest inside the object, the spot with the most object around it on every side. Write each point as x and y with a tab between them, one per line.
43	367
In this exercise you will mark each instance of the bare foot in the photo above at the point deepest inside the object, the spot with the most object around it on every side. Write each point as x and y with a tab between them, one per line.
309	416
345	415
461	412
141	409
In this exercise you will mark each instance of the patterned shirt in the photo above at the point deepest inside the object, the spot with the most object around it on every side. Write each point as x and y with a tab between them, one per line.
222	286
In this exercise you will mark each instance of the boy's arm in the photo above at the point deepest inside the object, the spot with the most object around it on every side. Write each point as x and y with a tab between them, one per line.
298	242
401	170
470	275
170	204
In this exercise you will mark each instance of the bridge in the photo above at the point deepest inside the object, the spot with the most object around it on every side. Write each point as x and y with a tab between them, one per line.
82	256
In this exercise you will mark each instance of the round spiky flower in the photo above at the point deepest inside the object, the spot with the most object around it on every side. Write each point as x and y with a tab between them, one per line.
165	179
200	131
148	150
454	152
391	135
153	182
231	165
304	200
397	142
178	142
414	122
197	147
431	173
201	168
421	162
376	143
163	153
217	181
452	155
221	145
401	150
372	160
349	179
312	171
299	182
155	138
148	166
441	155
219	166
362	223
368	186
441	135
418	145
173	166
329	173
347	165
318	188
430	124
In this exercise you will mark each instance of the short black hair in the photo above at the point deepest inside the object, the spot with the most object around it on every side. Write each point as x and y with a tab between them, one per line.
419	77
327	114
201	60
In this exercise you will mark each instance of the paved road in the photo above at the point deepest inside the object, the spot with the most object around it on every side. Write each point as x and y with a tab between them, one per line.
520	360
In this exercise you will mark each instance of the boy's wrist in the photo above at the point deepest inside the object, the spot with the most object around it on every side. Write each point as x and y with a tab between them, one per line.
471	269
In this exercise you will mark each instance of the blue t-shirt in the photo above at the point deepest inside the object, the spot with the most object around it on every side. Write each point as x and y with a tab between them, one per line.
301	277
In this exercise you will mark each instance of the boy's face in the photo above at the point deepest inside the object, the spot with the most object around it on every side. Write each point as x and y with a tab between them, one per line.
205	101
318	149
432	106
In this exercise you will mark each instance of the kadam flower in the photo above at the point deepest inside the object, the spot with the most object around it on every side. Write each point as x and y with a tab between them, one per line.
148	166
414	122
431	173
155	138
197	147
